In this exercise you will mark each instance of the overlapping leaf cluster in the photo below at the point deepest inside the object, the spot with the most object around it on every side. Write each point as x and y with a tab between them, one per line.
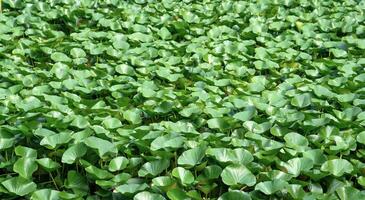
153	100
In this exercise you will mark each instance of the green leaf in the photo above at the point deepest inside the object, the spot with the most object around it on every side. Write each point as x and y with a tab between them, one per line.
235	156
207	188
295	166
105	184
165	73
153	168
296	191
301	100
361	137
245	115
237	175
190	17
74	152
45	194
235	195
48	164
60	70
56	140
42	132
25	167
163	181
188	111
6	143
121	178
133	116
148	89
60	57
164	33
98	173
140	37
296	141
256	87
148	196
131	188
349	192
212	172
112	123
25	152
192	157
337	167
76	182
30	103
257	128
361	43
77	53
125	69
19	186
80	122
218	123
338	53
346	97
103	146
271	187
120	43
173	141
66	195
316	155
177	194
322	91
361	181
118	163
185	176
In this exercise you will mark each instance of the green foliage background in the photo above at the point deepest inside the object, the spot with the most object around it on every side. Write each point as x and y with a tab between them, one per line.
153	100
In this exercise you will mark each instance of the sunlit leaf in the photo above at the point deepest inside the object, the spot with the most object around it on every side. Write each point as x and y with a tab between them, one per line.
19	186
237	175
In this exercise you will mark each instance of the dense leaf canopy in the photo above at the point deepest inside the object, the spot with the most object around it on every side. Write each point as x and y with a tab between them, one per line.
182	99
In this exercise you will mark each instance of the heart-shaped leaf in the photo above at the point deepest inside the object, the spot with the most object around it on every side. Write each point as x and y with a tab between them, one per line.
19	186
103	146
25	167
153	168
270	187
235	175
45	194
148	196
192	157
337	167
185	176
118	163
74	152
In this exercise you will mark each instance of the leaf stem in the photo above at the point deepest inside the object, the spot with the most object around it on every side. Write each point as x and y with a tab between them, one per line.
54	182
175	159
